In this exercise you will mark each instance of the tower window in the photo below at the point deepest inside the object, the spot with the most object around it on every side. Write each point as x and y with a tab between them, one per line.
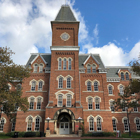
60	84
127	76
88	86
64	64
68	82
122	76
95	86
88	69
69	64
60	64
68	100
60	100
89	103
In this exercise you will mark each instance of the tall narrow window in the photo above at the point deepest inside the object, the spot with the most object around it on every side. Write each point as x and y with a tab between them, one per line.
41	68
95	86
97	103
68	100
88	86
29	124
122	76
94	68
90	103
69	64
138	124
33	85
40	85
121	90
59	64
126	128
68	82
64	63
110	90
37	124
31	103
13	125
18	87
39	103
99	126
1	124
35	67
114	124
60	84
91	124
88	69
60	100
127	76
111	106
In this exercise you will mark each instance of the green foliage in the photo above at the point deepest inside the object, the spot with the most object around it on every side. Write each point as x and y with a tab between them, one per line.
133	135
2	134
30	134
100	134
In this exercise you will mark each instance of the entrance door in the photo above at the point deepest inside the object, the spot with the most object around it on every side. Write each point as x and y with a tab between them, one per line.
64	128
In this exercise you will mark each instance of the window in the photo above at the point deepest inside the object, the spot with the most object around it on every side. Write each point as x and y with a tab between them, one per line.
89	103
69	66
111	106
68	100
99	127
18	87
122	76
60	100
31	103
60	84
88	69
37	124
94	69
1	124
16	107
29	124
114	124
121	90
35	67
127	76
13	125
97	103
40	85
88	86
41	68
64	63
91	124
135	109
126	128
110	90
39	103
59	64
33	85
95	86
138	124
68	82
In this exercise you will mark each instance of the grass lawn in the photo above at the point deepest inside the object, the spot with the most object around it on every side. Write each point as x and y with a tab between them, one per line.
4	137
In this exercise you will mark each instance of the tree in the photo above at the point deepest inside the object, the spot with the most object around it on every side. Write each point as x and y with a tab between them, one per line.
11	74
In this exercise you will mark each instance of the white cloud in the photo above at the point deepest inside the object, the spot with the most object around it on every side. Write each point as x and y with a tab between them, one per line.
96	32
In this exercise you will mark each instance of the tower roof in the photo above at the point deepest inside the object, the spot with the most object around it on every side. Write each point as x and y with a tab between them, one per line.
65	14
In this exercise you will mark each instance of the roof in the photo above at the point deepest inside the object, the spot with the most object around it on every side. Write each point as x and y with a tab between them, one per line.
65	14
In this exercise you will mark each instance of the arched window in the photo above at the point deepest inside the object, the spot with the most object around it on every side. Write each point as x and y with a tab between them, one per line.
35	67
60	100
60	84
13	125
90	103
99	126
121	90
94	68
40	85
88	86
64	63
91	124
33	85
69	64
110	90
97	103
111	106
37	124
114	124
69	82
95	86
1	124
126	128
29	124
88	68
31	103
41	68
60	64
38	103
122	76
127	76
68	100
138	124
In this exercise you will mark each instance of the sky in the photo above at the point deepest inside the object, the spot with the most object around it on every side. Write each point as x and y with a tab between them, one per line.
110	28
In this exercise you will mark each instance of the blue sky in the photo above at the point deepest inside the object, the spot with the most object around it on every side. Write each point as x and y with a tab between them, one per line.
110	28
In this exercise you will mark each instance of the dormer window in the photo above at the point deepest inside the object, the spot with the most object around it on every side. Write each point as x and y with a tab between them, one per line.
94	68
122	76
127	76
35	67
88	69
41	68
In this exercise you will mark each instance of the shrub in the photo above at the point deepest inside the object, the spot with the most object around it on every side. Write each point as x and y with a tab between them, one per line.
10	134
30	134
2	134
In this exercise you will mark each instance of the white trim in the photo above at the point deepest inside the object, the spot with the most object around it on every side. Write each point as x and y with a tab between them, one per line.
64	48
34	59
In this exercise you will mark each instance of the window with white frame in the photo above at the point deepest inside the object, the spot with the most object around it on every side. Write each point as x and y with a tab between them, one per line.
90	106
64	64
135	109
13	125
88	86
97	103
33	85
38	103
121	90
1	125
91	124
60	100
138	124
111	106
35	67
126	128
69	64
88	68
68	100
37	124
29	124
122	76
40	85
41	68
95	86
99	126
127	76
94	68
31	105
114	124
69	82
60	64
110	90
60	83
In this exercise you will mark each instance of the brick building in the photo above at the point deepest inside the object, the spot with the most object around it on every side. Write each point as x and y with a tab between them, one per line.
66	85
